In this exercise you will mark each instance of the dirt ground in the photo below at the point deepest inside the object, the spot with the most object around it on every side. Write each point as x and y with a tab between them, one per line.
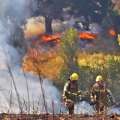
56	117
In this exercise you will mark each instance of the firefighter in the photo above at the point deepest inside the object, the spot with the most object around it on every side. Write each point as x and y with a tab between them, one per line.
101	97
71	93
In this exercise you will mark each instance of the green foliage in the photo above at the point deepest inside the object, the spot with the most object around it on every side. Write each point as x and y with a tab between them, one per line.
68	43
64	75
68	52
109	69
114	75
98	63
114	13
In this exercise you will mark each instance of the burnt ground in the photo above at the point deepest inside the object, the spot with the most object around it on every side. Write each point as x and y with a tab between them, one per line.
56	117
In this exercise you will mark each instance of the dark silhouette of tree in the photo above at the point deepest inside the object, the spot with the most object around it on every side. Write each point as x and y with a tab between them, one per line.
50	9
92	10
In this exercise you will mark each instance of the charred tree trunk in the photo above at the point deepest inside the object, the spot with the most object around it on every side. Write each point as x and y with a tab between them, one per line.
48	25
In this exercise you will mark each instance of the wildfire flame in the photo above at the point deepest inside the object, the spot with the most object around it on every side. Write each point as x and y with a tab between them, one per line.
48	59
48	38
50	62
57	36
87	35
34	28
112	32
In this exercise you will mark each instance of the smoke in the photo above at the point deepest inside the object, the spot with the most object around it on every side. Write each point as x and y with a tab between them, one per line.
18	9
10	55
84	108
36	99
9	102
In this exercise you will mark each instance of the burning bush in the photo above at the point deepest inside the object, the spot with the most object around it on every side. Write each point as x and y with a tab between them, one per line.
48	63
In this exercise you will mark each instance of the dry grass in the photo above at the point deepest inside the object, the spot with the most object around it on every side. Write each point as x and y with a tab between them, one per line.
50	63
55	117
96	60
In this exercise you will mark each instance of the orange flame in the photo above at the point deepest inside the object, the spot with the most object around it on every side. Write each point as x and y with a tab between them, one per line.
48	38
87	35
57	36
46	60
112	32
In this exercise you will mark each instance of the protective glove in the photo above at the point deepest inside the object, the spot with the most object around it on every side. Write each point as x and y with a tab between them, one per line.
92	102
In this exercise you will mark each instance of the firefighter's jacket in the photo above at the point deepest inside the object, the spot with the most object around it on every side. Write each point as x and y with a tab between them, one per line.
71	92
101	95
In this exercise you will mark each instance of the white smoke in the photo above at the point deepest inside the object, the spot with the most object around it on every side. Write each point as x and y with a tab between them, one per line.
36	98
84	108
19	9
10	55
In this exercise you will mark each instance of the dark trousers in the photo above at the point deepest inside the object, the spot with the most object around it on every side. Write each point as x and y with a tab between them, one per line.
70	106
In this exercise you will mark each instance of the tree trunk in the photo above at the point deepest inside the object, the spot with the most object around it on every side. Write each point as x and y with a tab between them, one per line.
48	25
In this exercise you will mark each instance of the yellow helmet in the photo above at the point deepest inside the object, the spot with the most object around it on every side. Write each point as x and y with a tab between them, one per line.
99	78
74	76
